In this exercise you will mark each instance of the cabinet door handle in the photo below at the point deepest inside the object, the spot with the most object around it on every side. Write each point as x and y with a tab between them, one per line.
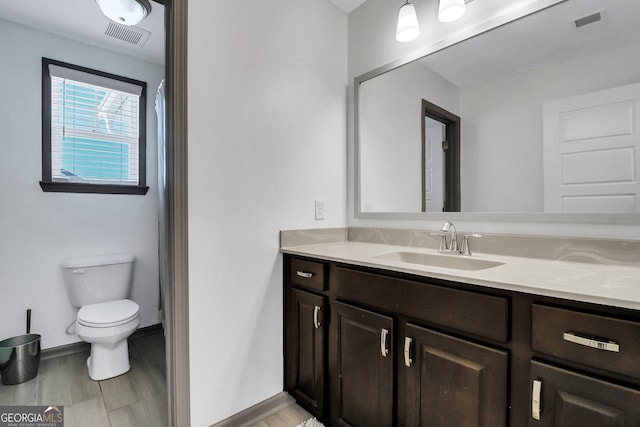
407	352
316	320
304	274
535	399
383	342
588	342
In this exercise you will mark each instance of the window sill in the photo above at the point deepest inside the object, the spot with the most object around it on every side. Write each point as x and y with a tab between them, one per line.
77	187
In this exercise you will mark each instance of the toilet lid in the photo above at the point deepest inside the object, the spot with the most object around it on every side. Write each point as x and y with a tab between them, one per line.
107	314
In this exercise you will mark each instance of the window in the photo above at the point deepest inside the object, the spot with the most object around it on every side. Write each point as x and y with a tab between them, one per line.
93	131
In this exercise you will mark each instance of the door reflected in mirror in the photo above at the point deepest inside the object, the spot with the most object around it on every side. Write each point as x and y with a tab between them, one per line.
440	138
433	146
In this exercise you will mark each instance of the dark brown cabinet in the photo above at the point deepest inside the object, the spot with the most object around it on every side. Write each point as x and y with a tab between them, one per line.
366	347
451	382
562	398
305	350
363	378
565	398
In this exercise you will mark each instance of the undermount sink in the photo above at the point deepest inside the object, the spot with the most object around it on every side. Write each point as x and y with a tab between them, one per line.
458	262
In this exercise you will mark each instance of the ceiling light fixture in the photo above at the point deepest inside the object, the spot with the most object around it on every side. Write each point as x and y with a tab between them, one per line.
408	28
125	12
450	10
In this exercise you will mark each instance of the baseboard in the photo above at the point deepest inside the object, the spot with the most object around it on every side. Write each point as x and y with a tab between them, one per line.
65	350
147	330
258	411
81	346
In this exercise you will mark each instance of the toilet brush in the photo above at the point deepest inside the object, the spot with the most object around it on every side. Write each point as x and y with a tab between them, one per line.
28	320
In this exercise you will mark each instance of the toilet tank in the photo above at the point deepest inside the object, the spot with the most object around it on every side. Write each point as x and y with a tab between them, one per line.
95	279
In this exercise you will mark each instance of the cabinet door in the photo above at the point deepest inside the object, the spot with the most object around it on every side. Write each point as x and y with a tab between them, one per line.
563	398
449	382
305	350
362	393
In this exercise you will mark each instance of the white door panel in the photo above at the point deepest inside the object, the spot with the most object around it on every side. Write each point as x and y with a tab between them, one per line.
597	122
599	166
601	204
434	165
592	152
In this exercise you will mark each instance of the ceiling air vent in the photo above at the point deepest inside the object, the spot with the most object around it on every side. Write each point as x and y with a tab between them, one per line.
590	19
581	22
132	35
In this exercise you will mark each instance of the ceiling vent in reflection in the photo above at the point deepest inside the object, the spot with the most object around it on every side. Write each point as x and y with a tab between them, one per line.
589	20
132	35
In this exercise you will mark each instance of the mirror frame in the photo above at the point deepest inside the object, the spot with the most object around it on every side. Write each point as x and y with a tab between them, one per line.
532	217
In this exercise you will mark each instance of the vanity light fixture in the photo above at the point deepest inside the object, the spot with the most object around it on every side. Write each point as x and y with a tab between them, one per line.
125	12
450	10
408	28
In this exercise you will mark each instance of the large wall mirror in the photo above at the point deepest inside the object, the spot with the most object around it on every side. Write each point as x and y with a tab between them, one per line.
549	117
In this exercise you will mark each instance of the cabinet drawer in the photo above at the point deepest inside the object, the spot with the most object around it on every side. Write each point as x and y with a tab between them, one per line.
309	274
602	342
471	312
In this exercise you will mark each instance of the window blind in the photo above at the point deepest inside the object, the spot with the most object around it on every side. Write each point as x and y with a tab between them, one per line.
94	129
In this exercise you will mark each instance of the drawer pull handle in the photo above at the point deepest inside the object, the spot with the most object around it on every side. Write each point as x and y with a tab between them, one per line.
316	320
535	399
407	352
304	274
588	342
383	342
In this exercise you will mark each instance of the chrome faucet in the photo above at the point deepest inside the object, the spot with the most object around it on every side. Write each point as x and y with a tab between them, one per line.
451	245
449	228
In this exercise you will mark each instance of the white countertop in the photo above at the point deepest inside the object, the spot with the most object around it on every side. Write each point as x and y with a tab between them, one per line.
608	284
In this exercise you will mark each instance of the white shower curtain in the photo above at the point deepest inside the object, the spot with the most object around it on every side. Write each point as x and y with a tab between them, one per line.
163	232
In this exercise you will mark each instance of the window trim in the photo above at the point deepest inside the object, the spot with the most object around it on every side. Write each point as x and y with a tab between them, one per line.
48	184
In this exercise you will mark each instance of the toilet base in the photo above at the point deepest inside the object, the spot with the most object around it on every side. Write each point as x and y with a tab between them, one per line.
108	361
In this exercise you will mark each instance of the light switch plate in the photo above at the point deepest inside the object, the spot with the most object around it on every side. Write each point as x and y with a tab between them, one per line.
319	209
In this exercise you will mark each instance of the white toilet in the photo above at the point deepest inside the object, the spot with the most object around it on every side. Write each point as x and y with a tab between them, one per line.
99	286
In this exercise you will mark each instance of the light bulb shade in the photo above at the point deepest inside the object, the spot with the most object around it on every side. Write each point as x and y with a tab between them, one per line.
408	28
126	12
450	10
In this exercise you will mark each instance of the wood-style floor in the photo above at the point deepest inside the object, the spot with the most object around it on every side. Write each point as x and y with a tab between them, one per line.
135	399
291	416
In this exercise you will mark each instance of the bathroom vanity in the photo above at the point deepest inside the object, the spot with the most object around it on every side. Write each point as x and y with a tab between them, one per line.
373	340
527	331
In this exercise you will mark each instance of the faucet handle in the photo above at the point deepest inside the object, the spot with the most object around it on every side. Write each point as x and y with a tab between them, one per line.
465	243
443	242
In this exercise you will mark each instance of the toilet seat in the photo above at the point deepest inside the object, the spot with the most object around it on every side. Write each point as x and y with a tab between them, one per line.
108	314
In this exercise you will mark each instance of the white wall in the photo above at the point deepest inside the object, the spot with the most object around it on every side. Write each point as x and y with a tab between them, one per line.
372	44
390	110
503	124
38	230
267	121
